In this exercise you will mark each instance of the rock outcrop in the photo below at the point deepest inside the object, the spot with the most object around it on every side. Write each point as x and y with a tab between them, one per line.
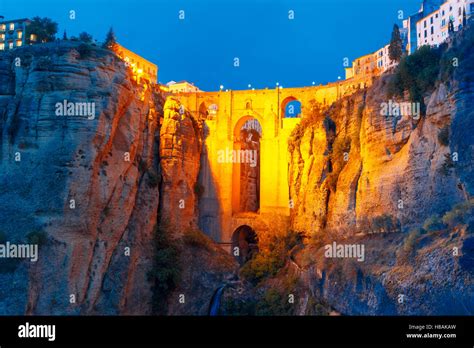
180	152
90	187
356	171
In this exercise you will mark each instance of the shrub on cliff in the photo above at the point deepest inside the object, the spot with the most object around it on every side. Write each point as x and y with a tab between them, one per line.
166	272
198	239
153	178
44	28
85	50
110	40
443	136
271	258
37	237
433	223
385	223
85	37
408	247
276	299
416	74
461	213
273	303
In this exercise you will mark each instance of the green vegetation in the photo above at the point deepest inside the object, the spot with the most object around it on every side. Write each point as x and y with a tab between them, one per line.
153	178
44	29
9	265
271	258
433	223
313	117
409	243
199	189
461	213
85	37
197	239
85	50
142	165
110	40
238	307
385	223
448	164
416	74
395	50
317	308
3	237
273	303
443	136
166	272
37	237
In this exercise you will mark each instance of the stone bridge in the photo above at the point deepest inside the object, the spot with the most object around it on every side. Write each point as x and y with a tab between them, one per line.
236	193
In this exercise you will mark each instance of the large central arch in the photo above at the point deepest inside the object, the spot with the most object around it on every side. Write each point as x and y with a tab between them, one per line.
246	165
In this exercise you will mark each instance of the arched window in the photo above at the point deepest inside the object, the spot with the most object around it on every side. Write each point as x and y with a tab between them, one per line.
291	108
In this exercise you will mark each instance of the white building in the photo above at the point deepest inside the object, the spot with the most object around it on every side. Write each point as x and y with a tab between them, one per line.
182	87
433	29
383	60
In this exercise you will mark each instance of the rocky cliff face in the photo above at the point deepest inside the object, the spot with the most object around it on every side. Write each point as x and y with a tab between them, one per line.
180	154
355	171
352	165
87	185
82	182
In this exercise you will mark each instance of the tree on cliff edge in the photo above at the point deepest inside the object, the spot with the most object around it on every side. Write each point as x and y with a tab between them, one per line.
44	29
110	40
395	50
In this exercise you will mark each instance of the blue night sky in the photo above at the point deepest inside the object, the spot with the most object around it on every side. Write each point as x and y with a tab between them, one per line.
201	48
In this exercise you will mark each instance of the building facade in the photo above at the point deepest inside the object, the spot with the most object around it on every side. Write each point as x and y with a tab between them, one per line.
433	28
383	60
182	87
142	68
13	34
429	26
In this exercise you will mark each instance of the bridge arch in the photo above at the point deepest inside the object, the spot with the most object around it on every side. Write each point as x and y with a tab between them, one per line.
246	165
244	243
291	107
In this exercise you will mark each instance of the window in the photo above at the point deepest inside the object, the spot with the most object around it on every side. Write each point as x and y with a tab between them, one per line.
426	33
2	46
436	15
3	27
442	13
424	24
459	12
432	30
431	20
2	37
443	22
20	34
11	26
10	45
32	37
18	43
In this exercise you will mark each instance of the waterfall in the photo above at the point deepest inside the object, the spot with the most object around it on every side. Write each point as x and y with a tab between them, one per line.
216	301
